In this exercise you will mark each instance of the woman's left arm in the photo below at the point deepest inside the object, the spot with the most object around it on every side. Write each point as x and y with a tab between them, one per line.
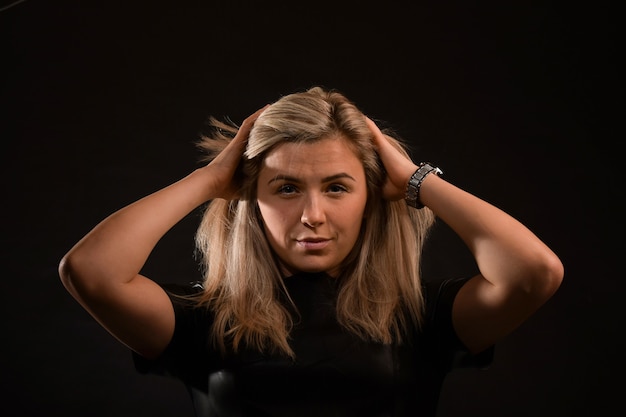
518	272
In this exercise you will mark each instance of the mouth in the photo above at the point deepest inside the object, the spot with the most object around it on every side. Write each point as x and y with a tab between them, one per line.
313	243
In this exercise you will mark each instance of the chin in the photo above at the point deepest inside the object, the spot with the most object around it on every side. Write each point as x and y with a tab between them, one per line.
308	269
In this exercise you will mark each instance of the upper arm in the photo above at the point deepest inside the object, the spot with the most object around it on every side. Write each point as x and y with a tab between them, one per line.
138	313
483	313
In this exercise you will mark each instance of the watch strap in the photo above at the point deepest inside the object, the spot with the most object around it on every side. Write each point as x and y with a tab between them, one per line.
412	196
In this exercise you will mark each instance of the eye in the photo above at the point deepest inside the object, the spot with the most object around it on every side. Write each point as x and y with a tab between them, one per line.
287	189
337	188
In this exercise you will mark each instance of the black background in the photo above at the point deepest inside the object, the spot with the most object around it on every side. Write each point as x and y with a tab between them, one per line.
519	102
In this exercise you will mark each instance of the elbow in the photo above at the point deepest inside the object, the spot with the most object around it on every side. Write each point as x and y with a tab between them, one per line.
554	273
548	273
67	273
72	275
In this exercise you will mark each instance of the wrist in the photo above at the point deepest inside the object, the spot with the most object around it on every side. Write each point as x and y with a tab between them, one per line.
412	194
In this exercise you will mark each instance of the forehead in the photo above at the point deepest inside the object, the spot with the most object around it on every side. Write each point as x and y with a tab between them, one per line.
324	155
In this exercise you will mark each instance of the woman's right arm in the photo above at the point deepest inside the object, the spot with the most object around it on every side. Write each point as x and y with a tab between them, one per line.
102	270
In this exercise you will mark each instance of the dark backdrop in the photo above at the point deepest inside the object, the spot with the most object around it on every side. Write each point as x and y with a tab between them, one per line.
519	102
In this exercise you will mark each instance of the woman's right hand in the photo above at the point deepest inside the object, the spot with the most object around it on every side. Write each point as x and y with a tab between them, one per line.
221	170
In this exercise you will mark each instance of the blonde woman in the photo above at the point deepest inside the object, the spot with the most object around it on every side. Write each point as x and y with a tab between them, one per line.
312	302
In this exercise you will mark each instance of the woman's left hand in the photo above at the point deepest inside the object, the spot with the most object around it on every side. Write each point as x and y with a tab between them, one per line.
398	165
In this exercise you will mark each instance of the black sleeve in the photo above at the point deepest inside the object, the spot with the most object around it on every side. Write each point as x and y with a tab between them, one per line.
188	355
439	300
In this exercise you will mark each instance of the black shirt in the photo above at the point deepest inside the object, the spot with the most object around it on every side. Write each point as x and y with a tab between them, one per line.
334	373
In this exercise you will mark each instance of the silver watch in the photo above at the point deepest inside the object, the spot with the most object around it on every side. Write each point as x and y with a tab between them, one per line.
412	196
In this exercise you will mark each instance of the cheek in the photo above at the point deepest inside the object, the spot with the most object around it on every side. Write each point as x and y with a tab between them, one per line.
355	213
349	221
274	220
354	226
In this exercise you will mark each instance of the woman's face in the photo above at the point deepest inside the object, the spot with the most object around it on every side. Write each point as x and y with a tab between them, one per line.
312	199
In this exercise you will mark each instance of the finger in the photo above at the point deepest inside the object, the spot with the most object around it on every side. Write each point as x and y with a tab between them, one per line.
249	121
379	139
385	148
247	124
399	167
383	145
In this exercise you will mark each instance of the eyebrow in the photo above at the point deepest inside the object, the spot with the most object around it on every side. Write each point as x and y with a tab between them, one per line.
289	178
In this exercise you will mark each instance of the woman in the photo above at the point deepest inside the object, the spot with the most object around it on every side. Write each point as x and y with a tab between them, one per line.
312	302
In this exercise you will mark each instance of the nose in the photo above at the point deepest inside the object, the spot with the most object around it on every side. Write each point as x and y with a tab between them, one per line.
313	214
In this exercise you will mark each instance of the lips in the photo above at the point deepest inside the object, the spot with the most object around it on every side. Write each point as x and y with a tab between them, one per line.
313	243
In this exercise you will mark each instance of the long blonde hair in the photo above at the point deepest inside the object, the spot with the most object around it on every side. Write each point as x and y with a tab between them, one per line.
380	293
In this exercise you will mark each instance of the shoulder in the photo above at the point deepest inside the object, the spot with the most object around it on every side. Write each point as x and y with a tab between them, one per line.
192	315
188	355
189	288
439	297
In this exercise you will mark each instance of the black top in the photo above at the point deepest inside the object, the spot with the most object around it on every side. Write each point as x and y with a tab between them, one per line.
334	373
